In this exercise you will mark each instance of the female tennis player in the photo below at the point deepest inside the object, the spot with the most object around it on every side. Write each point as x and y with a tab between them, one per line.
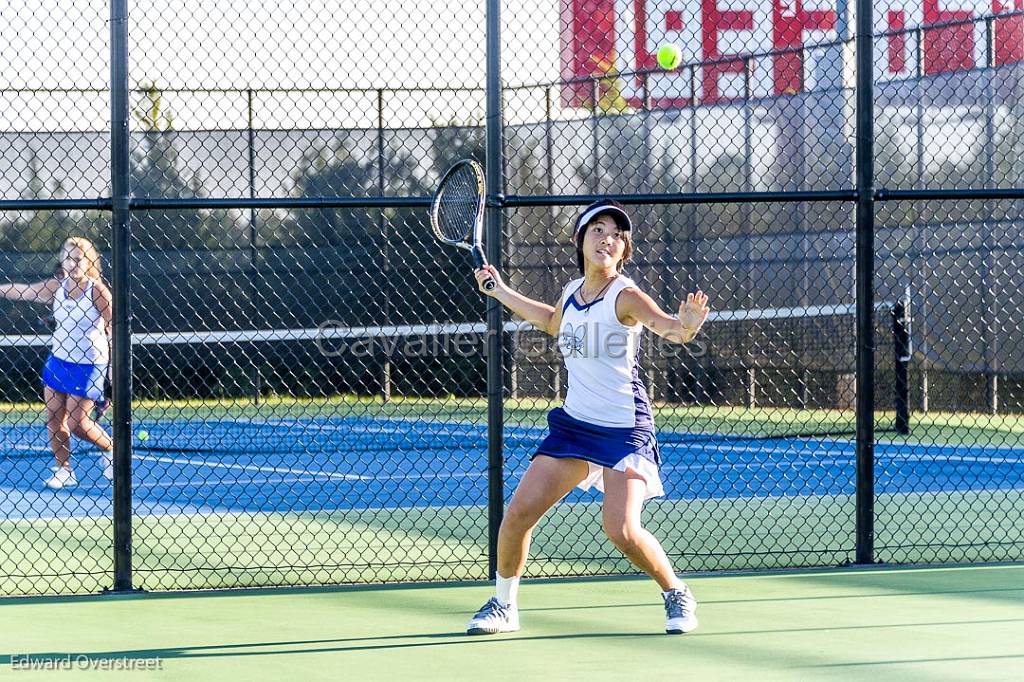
80	350
603	436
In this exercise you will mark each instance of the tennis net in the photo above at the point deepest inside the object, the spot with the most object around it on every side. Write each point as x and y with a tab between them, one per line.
762	373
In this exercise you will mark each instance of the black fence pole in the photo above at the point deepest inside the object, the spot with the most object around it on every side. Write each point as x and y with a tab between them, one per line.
989	301
122	354
922	223
595	173
746	262
257	380
385	378
864	266
495	343
549	260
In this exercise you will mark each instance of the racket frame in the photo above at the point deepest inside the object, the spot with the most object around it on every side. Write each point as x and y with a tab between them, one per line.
476	232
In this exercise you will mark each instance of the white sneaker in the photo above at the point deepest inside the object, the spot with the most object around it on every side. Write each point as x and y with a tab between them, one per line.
108	467
680	611
63	477
494	617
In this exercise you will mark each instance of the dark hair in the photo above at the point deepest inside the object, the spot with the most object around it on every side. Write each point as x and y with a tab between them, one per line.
627	237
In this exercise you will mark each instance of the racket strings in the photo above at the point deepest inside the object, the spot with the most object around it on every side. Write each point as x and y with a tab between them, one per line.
457	205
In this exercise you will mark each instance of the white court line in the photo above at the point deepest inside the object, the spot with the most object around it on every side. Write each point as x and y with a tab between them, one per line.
810	450
246	467
431	429
963	458
753	465
843	458
411	477
209	484
805	445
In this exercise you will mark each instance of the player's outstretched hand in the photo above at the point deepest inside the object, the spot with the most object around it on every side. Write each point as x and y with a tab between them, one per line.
489	272
694	310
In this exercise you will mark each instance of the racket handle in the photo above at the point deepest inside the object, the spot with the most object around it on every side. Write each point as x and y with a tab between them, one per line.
480	261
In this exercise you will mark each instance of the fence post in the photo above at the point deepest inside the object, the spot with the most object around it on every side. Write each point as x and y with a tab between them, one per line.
864	267
990	302
595	95
554	366
495	340
385	379
746	259
257	383
121	361
922	230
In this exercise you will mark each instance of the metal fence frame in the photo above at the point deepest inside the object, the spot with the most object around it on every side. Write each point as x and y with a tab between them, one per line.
864	195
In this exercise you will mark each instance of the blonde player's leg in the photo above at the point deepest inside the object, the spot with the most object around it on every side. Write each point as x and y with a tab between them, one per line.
546	481
624	494
60	438
82	425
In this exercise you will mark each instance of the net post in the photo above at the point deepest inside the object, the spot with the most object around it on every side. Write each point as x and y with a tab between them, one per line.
121	299
901	363
864	267
495	339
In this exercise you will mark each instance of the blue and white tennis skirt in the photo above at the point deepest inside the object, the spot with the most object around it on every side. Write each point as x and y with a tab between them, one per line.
604	446
72	378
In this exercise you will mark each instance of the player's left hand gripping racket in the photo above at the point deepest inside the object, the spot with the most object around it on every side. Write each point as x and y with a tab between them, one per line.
457	211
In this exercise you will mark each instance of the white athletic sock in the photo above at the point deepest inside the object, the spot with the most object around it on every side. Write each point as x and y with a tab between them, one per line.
507	589
680	585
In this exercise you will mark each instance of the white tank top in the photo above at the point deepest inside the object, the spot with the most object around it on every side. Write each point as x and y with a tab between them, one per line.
601	355
80	335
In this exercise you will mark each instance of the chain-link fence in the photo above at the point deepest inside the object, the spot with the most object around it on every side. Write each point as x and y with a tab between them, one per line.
310	391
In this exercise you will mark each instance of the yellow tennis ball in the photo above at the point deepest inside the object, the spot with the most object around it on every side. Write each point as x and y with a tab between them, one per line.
143	435
670	56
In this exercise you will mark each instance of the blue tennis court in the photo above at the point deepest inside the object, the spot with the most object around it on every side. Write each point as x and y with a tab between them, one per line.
297	465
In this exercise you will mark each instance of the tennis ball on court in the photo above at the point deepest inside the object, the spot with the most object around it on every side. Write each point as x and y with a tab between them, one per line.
670	56
143	435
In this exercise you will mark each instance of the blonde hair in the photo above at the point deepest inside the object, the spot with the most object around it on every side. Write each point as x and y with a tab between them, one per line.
95	270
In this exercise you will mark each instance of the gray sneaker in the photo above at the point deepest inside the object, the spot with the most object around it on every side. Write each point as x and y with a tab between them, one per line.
680	611
494	617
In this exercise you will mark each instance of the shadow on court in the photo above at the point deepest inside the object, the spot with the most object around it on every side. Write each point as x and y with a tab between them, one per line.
386	642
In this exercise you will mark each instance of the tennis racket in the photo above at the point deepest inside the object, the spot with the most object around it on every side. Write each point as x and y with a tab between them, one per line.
457	211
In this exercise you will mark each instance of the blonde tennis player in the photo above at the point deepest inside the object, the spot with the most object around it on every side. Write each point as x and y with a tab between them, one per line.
603	436
74	373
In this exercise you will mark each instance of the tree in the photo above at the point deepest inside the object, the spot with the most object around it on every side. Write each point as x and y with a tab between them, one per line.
621	149
609	88
43	231
155	174
453	142
330	172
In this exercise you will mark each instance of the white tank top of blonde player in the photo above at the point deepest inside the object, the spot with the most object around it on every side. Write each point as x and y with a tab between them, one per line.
80	334
602	358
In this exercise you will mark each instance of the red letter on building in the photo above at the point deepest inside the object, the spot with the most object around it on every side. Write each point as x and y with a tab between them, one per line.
1009	32
588	45
950	48
714	20
790	20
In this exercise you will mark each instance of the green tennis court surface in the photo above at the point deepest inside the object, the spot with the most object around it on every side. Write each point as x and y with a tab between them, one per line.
222	520
902	624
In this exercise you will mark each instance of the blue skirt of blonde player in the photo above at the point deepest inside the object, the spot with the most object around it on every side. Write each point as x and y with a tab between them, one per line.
76	369
603	436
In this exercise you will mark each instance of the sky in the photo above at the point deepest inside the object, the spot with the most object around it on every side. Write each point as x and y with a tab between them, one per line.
239	44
